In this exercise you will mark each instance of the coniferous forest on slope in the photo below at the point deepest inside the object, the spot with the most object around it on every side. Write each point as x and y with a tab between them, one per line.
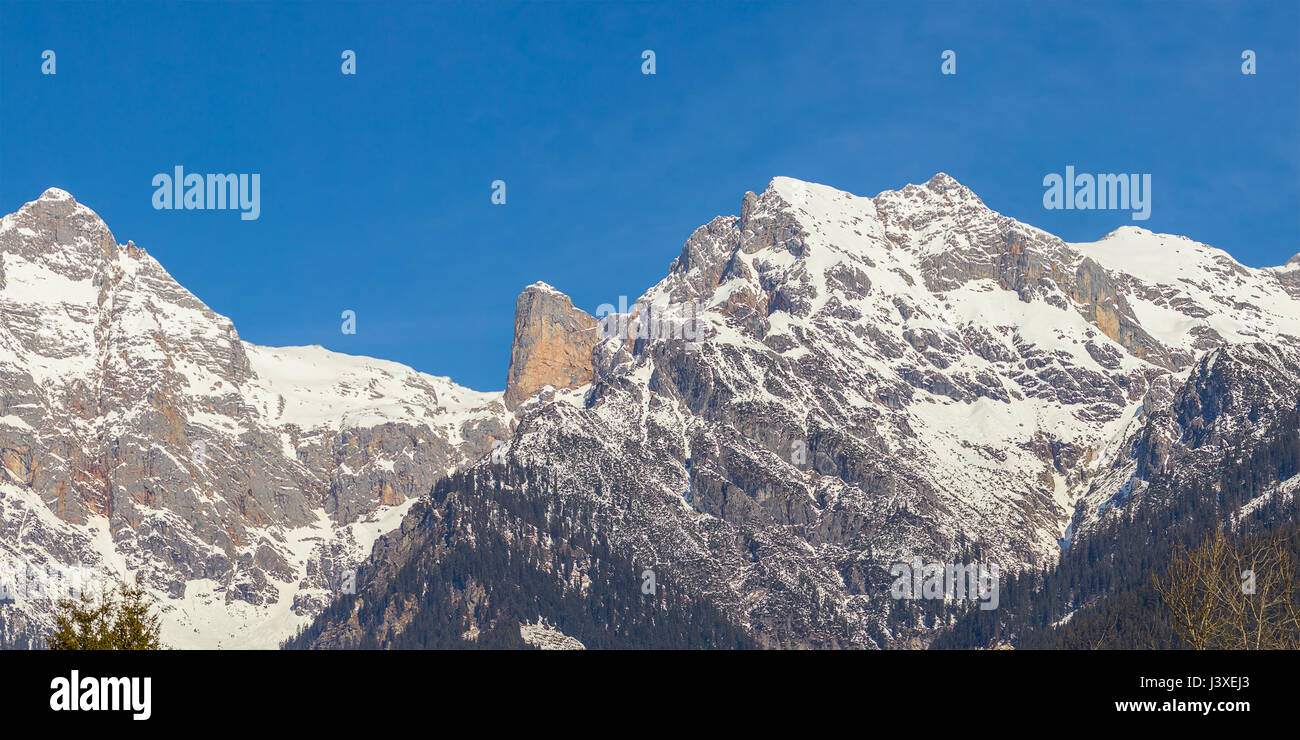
468	578
1104	582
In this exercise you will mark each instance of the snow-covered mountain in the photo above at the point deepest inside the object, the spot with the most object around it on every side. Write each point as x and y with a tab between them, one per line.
140	436
864	380
880	378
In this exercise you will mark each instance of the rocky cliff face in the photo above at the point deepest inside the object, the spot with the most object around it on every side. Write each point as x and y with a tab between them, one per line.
910	375
139	435
1288	275
552	344
1232	398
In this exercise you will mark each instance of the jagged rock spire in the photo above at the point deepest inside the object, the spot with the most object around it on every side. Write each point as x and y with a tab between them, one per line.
552	344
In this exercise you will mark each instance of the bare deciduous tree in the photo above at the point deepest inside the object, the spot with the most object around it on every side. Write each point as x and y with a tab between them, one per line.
1234	593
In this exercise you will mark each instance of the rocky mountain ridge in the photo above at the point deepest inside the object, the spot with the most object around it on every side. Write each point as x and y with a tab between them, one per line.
141	437
863	381
910	375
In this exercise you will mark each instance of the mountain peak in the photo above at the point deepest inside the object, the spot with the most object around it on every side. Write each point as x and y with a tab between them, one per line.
59	203
1129	230
795	192
544	287
944	184
56	229
943	181
56	194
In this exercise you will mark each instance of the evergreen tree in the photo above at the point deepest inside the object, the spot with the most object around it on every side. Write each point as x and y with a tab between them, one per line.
121	620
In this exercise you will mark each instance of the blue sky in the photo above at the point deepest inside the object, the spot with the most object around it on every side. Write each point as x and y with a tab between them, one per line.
376	187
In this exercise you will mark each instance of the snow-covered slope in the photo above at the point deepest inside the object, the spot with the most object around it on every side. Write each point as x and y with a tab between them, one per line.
1192	296
140	436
